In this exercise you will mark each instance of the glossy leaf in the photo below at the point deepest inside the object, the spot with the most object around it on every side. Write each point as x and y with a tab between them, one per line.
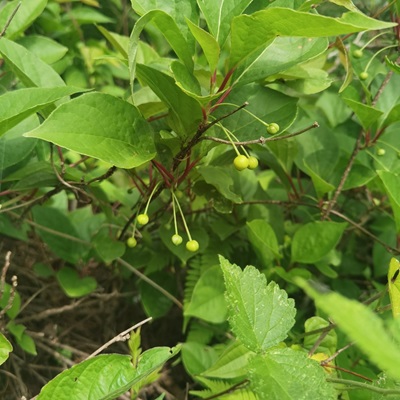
276	21
219	14
263	239
73	285
286	374
28	67
185	112
5	349
17	105
26	14
124	138
260	315
361	325
104	377
314	240
207	301
394	286
366	114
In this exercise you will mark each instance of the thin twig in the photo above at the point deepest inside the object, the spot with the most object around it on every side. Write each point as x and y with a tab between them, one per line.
10	18
334	355
361	385
150	282
4	270
261	140
120	337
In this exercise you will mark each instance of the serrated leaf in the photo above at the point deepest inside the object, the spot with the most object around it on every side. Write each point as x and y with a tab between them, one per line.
315	240
104	377
392	65
5	349
276	21
361	325
286	374
260	315
28	67
263	239
102	127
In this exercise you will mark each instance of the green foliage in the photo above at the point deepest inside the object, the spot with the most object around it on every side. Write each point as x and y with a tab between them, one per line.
144	145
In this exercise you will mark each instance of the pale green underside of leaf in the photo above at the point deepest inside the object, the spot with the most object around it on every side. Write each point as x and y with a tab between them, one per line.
260	315
278	21
361	325
100	126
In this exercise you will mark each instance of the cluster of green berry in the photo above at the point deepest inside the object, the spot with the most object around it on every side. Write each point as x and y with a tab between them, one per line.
143	219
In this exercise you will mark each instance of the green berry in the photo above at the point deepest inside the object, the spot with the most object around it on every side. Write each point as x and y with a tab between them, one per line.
381	152
192	245
176	239
241	162
273	128
253	163
364	75
142	219
358	53
131	242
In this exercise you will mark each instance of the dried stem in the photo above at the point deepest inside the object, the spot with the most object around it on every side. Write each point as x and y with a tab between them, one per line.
10	18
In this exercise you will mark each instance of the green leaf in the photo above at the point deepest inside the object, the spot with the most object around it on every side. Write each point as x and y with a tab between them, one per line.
361	325
169	29
393	116
260	315
28	67
394	286
366	114
26	14
392	65
87	15
119	42
104	377
328	345
277	21
22	338
14	148
17	105
286	374
73	285
108	249
231	364
102	127
221	180
13	311
263	239
314	240
48	50
208	302
219	14
279	56
57	231
391	183
197	357
5	349
185	112
208	44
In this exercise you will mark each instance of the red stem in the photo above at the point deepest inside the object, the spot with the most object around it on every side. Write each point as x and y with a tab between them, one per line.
226	80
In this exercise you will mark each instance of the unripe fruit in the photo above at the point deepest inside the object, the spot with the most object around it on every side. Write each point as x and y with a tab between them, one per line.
192	245
381	152
273	128
358	53
241	162
253	163
131	242
176	239
142	219
363	76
